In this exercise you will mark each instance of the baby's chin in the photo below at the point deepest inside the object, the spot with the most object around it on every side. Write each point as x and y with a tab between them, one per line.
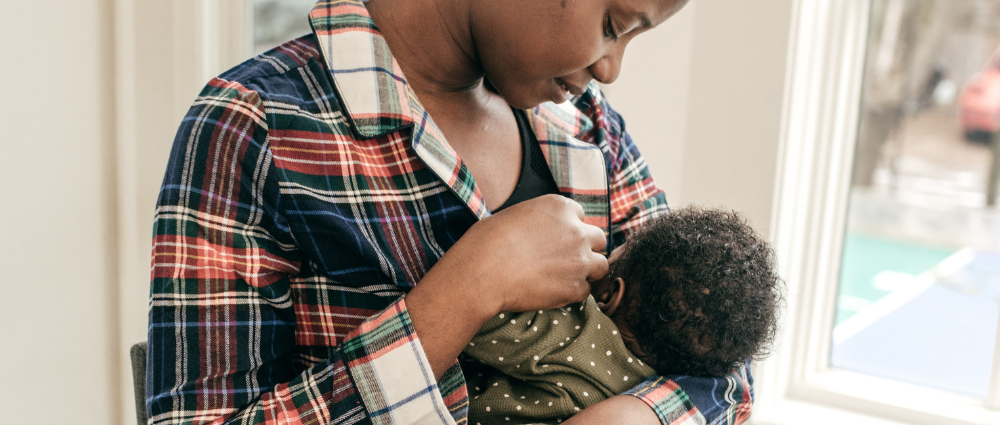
633	347
626	334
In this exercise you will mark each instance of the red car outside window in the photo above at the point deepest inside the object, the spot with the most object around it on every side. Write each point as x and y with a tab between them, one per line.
980	102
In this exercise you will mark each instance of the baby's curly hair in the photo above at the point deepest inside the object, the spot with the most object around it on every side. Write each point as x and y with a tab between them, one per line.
702	292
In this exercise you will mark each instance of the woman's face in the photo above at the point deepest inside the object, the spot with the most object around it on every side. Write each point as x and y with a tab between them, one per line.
533	51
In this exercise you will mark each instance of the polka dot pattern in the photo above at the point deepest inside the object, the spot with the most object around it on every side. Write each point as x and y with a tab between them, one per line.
566	349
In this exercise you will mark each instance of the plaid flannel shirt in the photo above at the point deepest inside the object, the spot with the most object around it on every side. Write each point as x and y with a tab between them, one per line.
307	191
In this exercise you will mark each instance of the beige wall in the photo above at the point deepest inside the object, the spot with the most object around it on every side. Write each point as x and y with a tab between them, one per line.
118	75
702	96
735	105
59	319
652	95
165	53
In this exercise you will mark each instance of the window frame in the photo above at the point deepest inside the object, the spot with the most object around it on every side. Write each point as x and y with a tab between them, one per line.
164	54
812	186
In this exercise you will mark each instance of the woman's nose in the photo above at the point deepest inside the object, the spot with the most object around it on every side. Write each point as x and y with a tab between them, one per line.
606	69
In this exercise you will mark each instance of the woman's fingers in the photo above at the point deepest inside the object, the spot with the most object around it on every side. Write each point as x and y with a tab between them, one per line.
574	206
536	255
597	268
595	237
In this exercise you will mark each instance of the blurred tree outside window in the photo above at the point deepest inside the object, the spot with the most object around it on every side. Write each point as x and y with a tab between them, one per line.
920	269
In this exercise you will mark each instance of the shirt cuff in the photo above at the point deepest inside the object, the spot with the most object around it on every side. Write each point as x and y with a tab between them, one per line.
670	403
391	371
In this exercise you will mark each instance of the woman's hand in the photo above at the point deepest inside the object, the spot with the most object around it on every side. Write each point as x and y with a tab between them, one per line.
535	255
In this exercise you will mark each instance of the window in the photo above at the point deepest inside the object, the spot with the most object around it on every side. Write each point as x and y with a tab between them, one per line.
920	273
880	220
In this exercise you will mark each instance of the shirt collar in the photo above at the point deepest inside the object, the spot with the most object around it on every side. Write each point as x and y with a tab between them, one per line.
369	81
366	76
564	117
378	101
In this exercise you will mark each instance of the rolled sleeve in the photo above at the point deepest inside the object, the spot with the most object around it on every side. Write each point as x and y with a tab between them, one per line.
689	400
391	372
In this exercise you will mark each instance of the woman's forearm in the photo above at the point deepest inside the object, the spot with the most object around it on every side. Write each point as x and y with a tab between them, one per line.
446	315
617	410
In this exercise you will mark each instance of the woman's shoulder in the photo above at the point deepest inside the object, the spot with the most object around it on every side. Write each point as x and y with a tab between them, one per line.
282	60
287	87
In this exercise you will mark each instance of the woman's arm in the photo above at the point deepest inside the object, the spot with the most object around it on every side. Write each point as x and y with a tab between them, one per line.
222	318
617	410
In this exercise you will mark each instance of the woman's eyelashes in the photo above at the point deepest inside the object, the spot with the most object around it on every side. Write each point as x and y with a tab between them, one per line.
613	31
609	29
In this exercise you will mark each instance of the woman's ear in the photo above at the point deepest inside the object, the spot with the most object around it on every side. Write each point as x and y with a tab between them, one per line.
613	293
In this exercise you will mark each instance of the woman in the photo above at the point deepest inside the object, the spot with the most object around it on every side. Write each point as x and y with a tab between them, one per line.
309	189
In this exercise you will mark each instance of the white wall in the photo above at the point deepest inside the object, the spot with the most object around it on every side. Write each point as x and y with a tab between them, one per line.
148	116
735	105
165	53
651	93
59	321
717	72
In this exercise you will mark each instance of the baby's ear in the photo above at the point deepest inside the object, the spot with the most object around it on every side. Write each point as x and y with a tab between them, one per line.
613	294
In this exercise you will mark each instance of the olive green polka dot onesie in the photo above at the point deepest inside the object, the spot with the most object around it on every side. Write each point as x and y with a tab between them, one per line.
551	364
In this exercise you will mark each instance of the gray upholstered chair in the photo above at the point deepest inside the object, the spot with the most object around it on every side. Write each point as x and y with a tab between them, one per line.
138	355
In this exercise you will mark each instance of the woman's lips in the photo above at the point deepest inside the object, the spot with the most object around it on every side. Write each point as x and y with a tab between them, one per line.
567	89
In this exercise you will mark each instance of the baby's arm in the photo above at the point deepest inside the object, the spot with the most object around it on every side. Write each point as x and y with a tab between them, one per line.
495	346
617	410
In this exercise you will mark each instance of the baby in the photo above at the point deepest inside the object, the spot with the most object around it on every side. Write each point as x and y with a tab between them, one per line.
692	293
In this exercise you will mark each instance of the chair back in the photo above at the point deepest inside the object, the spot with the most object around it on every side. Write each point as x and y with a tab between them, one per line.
138	355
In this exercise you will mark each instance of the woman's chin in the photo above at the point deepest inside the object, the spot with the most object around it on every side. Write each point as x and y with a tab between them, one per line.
526	97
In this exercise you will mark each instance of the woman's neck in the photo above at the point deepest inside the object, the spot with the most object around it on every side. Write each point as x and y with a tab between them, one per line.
432	42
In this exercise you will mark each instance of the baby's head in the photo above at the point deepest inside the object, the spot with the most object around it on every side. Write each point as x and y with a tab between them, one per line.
694	292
